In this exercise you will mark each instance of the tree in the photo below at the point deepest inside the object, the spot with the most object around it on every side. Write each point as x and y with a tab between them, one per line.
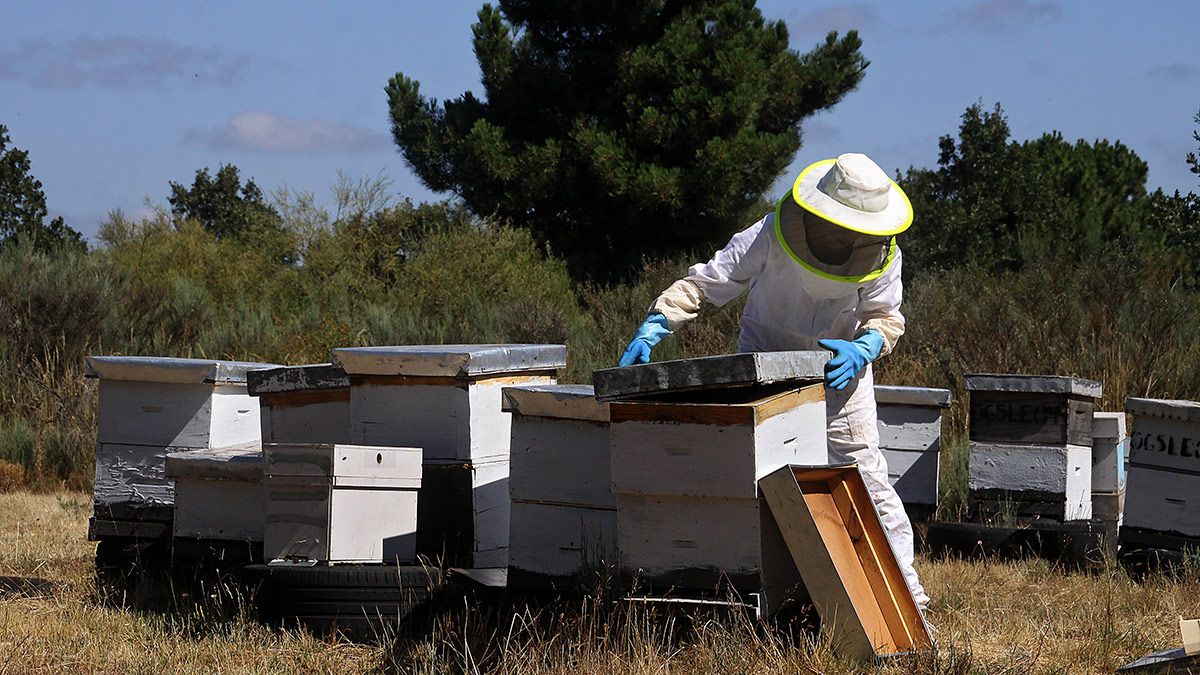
228	209
1001	203
23	205
1192	160
620	129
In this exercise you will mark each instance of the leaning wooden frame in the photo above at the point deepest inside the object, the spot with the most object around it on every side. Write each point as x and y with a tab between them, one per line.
832	530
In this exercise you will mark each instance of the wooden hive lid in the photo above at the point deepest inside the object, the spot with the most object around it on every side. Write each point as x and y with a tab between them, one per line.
169	370
1172	409
1033	384
920	396
560	401
288	379
750	369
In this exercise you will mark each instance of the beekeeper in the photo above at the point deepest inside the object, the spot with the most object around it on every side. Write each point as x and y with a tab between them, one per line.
823	271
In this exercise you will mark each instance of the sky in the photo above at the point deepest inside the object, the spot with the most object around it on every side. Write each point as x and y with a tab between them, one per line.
113	100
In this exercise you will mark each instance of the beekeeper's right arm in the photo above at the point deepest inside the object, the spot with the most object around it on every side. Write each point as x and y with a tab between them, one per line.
717	281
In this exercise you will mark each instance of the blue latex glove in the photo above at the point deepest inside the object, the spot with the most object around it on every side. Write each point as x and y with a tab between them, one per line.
850	357
648	334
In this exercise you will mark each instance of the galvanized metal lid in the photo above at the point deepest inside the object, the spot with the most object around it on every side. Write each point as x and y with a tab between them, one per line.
1034	384
923	396
563	401
710	372
169	370
1172	409
315	377
450	360
235	463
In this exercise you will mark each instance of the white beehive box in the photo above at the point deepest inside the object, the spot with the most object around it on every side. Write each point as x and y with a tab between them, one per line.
686	477
1163	484
1110	448
150	406
1031	445
219	494
303	404
563	518
446	399
341	503
910	436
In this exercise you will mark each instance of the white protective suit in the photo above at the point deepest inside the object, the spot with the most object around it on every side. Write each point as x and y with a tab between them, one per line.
789	308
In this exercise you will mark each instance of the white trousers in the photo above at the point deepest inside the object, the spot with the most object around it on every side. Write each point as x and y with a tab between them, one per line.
854	437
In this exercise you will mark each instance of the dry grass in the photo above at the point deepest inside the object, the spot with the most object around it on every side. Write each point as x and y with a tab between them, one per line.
992	617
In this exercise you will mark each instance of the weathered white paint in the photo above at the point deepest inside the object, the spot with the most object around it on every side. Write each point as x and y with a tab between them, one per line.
133	474
1109	446
297	519
182	415
714	460
450	360
561	540
907	427
661	534
229	510
489	493
373	525
561	460
923	397
168	370
914	474
1065	470
1165	501
1165	442
317	422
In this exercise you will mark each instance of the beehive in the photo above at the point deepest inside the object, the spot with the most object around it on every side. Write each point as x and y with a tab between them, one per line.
152	406
302	404
446	399
341	503
1031	445
1110	449
220	502
564	517
685	476
1163	483
910	435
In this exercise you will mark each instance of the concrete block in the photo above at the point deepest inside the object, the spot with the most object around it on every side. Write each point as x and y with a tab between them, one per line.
450	360
710	372
557	540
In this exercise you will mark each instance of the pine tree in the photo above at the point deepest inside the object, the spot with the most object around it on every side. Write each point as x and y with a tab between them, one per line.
620	129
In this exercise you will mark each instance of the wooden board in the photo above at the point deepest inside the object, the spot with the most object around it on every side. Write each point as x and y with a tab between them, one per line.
1166	501
558	460
450	360
1020	417
1064	472
227	510
710	372
914	475
558	401
318	377
558	540
841	550
907	427
1169	444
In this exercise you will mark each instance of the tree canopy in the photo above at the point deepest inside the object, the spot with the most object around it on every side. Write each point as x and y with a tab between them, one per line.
1000	202
620	129
221	204
23	204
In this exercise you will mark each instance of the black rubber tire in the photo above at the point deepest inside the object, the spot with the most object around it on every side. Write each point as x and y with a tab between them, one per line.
360	602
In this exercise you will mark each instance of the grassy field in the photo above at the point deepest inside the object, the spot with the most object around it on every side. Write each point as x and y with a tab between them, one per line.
991	617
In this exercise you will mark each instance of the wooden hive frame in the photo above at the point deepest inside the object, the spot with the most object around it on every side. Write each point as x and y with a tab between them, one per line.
853	578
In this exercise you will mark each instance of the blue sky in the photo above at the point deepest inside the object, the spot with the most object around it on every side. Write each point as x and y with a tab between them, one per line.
115	99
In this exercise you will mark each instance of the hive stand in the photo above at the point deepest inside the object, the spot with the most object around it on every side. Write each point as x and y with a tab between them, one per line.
1162	521
563	524
446	399
150	407
303	404
910	437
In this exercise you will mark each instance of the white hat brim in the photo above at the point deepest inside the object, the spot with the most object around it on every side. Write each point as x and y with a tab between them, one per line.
893	219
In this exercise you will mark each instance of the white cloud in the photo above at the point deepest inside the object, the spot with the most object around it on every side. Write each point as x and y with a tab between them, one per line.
117	61
1007	14
262	131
